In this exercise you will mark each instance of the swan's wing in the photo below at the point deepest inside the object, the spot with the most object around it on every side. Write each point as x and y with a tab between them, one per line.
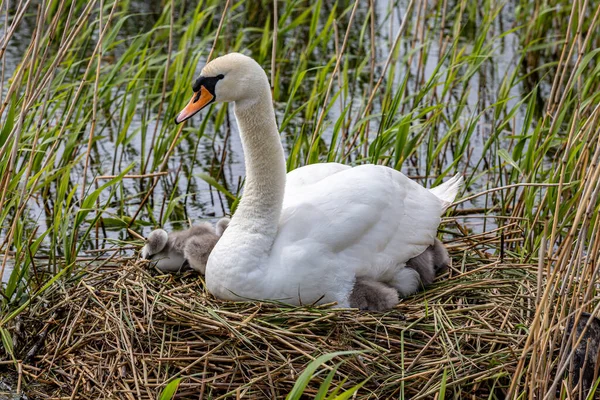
311	174
359	214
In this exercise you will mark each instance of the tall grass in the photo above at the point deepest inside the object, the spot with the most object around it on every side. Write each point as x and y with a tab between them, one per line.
504	92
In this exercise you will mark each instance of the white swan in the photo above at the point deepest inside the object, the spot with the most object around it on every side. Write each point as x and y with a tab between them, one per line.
308	240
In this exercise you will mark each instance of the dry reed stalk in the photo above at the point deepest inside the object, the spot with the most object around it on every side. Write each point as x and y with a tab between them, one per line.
332	77
123	331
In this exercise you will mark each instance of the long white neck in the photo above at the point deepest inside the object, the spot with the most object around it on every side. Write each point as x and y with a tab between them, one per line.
236	264
260	207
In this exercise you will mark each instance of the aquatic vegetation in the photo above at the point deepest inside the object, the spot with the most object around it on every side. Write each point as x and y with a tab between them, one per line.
504	92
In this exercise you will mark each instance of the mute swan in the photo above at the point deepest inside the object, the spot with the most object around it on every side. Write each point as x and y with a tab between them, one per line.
368	294
306	237
175	251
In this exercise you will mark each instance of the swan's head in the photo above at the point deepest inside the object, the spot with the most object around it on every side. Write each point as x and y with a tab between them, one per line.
231	78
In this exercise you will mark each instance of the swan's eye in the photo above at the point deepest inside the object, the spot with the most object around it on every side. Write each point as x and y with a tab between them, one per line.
209	82
204	94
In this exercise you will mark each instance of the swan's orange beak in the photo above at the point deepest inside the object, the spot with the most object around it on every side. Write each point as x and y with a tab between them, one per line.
199	100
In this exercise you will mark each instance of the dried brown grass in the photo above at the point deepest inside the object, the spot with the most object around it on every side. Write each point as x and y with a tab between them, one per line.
120	330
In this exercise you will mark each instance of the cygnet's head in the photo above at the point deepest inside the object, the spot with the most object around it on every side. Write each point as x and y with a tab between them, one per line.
233	77
222	224
156	242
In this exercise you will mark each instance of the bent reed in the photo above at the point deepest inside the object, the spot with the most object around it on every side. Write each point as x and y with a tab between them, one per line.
505	93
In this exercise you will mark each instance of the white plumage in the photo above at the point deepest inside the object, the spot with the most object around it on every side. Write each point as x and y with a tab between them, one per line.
365	221
306	237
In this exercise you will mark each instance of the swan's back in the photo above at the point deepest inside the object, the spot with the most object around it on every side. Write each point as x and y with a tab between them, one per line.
362	221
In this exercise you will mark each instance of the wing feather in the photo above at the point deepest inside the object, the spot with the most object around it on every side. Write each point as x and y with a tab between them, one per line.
363	216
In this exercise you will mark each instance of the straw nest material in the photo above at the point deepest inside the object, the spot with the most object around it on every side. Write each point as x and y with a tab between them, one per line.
120	330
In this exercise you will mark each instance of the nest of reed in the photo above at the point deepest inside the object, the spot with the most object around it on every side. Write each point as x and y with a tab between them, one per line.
118	329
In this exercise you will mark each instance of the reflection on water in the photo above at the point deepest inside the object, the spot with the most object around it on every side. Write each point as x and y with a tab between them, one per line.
195	200
8	268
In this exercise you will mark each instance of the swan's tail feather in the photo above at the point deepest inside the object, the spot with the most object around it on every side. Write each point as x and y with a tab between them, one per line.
448	190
